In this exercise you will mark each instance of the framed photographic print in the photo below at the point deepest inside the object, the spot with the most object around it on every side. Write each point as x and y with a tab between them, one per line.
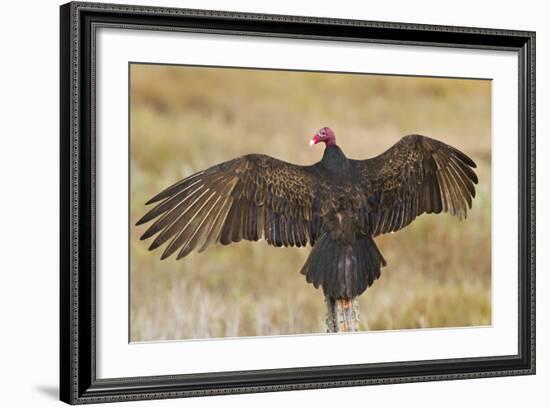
256	203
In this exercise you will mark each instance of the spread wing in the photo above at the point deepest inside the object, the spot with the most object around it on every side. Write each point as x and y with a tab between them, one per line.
416	175
251	197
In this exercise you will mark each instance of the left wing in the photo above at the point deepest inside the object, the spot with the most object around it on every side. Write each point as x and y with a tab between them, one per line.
250	197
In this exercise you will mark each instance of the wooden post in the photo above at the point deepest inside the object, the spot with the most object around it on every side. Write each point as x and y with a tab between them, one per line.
342	314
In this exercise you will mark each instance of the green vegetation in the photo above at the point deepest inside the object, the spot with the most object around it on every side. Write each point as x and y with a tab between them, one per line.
185	119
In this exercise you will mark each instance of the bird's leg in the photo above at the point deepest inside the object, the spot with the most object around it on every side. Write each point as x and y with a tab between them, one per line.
342	314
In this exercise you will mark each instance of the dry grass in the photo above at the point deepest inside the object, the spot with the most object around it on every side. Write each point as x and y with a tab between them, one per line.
186	119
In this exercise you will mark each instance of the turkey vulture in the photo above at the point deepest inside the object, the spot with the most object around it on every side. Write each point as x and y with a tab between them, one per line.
336	205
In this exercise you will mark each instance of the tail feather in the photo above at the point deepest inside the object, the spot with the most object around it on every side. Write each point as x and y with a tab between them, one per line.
344	271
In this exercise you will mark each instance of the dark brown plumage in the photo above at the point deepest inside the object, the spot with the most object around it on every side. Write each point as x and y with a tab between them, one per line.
336	205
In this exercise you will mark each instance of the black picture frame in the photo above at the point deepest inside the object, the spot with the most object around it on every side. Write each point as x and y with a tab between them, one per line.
78	382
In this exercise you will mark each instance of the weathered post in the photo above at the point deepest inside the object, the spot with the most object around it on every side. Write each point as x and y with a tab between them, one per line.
342	314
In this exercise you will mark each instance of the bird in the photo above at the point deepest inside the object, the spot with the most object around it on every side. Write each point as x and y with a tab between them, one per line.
337	205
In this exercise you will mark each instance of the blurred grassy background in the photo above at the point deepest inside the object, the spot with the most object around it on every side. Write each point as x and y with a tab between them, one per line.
184	119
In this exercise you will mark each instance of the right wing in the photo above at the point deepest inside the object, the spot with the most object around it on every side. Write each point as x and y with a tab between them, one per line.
416	175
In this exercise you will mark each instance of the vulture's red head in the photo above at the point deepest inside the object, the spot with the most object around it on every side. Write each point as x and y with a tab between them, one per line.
325	135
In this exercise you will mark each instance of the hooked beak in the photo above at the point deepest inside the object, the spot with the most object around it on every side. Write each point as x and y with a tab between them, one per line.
314	140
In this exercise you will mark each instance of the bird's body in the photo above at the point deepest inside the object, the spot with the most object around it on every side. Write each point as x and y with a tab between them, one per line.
336	205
